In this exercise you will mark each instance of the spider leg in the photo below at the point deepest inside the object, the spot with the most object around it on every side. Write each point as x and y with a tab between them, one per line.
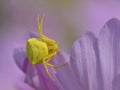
40	22
45	62
46	69
55	66
40	29
49	58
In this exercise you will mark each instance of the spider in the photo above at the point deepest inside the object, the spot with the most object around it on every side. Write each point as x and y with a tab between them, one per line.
42	50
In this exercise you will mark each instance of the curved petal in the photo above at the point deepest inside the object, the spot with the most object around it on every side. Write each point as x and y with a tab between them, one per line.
23	63
109	47
45	82
85	62
65	75
31	35
20	85
20	58
116	82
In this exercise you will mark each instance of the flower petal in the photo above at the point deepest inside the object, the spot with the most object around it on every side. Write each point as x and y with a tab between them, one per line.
109	47
23	63
116	82
20	85
65	75
85	62
31	35
20	58
45	82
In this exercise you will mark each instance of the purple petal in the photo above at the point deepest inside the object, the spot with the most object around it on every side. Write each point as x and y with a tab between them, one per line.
45	82
31	35
109	46
30	74
116	82
20	85
65	75
23	63
85	62
20	58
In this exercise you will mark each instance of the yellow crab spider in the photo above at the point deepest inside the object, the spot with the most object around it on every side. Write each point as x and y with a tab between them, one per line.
42	50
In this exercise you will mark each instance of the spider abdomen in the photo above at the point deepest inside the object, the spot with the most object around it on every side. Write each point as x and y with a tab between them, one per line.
36	50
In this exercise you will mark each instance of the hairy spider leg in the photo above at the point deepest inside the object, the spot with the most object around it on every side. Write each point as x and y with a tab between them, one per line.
55	66
46	64
40	22
49	58
42	36
52	65
46	69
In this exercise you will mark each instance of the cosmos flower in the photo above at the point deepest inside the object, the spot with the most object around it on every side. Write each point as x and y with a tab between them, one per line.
94	63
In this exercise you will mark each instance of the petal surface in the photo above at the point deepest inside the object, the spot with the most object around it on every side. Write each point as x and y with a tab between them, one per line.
20	58
85	62
45	82
20	85
31	35
109	47
65	75
116	82
23	63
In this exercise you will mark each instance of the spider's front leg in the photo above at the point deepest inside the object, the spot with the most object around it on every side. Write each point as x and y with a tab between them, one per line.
40	29
45	62
46	69
49	58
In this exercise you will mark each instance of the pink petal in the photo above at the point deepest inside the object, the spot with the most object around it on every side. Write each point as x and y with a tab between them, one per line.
109	47
23	63
32	35
116	82
65	75
85	62
45	82
20	58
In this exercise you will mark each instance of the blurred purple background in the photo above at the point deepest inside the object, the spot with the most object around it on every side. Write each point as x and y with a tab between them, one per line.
65	21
